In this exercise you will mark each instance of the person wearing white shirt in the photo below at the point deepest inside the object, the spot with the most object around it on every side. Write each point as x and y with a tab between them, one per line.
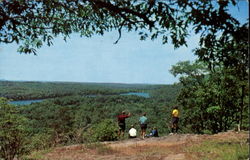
132	132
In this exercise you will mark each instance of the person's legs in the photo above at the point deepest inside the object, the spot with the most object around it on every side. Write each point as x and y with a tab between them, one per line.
176	128
143	133
121	130
143	130
173	125
176	124
173	128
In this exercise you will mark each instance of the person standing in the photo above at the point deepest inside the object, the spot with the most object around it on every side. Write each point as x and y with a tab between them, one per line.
175	120
143	123
121	122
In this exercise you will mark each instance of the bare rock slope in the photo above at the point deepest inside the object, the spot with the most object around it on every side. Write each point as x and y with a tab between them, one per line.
171	147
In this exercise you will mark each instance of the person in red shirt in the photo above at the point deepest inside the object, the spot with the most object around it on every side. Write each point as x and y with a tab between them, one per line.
121	122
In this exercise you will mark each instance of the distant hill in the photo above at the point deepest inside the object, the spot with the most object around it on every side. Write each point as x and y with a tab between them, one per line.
22	90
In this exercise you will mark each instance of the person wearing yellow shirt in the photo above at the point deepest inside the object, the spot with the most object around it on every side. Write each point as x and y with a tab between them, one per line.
175	120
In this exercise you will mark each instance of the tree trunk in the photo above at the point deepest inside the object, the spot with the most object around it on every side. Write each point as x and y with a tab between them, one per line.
242	104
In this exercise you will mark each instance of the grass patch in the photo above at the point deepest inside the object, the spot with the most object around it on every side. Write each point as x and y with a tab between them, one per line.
101	149
220	150
37	155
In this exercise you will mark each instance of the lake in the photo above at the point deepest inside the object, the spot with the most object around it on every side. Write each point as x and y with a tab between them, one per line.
140	94
27	102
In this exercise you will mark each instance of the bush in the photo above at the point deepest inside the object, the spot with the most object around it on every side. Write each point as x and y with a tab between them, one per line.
104	131
40	141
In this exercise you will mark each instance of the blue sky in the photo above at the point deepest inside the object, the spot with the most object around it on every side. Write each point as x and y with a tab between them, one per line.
97	59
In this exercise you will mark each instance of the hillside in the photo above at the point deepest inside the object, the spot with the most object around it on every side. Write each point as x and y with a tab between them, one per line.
227	145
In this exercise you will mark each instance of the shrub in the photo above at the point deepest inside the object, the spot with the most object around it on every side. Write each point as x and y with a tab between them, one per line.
103	131
40	141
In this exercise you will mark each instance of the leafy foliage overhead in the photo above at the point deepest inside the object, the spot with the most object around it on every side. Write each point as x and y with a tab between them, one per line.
33	23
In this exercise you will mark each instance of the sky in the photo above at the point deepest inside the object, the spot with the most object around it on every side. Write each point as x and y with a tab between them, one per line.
98	59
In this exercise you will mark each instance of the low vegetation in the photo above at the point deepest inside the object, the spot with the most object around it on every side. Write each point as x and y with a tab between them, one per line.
222	149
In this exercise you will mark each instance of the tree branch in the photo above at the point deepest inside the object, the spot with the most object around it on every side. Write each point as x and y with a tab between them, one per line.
117	10
120	32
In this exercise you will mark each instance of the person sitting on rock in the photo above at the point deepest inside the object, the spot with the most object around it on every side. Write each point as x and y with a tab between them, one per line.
153	133
132	132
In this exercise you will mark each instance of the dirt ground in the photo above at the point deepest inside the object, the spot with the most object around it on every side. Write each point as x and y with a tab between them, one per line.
171	147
